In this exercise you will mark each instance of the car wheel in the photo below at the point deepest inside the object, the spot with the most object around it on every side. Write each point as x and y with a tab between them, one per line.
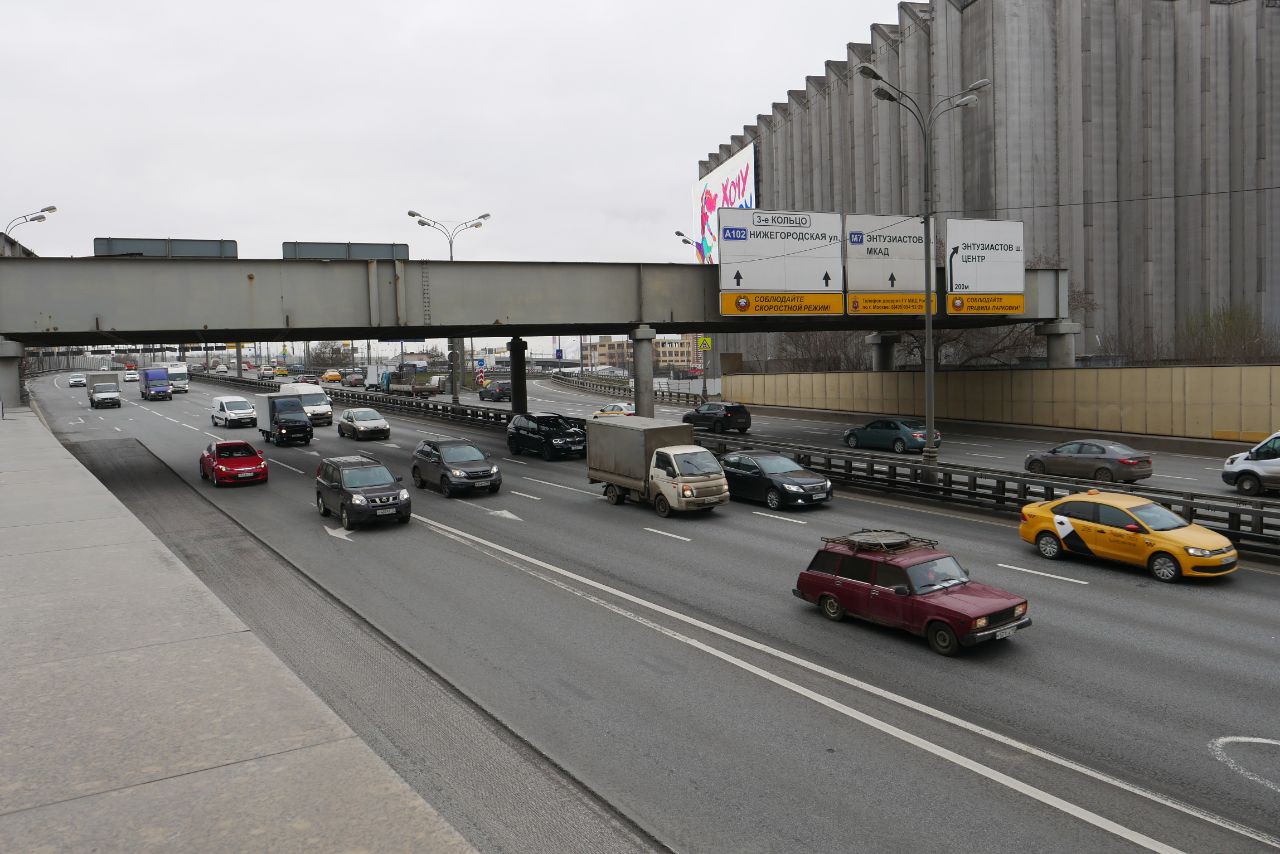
1164	568
614	495
306	441
742	429
340	433
324	511
213	478
346	519
445	489
1048	545
662	506
213	421
899	446
203	475
773	498
831	609
547	453
404	520
717	426
941	638
1035	467
513	447
494	487
1104	475
851	440
417	478
1248	484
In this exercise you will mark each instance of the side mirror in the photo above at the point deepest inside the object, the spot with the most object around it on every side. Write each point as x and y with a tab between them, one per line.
1253	455
260	454
1133	529
328	400
399	479
901	590
1053	450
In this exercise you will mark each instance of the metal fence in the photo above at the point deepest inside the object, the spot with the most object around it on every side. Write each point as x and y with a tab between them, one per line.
624	390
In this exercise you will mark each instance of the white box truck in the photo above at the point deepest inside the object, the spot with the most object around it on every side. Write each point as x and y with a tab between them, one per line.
654	462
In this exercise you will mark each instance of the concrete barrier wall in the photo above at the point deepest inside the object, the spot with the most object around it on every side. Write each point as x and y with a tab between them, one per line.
1233	403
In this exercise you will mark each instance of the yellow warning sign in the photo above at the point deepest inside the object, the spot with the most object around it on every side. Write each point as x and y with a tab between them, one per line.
986	304
749	304
882	303
704	343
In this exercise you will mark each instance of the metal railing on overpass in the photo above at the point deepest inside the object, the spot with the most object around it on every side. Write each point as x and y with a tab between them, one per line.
1253	522
623	389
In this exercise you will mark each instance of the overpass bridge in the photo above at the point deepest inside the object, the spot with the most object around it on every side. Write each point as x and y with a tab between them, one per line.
114	301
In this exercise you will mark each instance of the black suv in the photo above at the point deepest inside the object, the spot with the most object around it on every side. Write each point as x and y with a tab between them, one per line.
360	489
545	433
496	391
720	417
772	478
455	466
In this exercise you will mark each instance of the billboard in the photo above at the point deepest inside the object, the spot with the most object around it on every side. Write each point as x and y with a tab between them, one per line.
730	185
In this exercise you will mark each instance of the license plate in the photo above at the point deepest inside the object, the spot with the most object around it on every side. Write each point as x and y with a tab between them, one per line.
245	474
1004	633
480	483
387	512
1226	560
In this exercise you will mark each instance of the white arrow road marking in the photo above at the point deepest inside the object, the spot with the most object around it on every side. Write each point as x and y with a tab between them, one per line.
276	462
1045	574
312	453
1216	747
779	518
339	533
665	534
513	492
505	514
78	421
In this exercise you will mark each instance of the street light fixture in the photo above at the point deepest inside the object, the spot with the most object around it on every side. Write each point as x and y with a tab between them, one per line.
887	91
685	239
34	216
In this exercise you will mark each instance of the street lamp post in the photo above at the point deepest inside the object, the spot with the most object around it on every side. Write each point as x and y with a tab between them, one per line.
925	121
455	344
685	239
34	216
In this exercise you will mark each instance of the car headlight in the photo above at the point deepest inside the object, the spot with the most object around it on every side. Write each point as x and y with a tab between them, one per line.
457	472
980	623
1019	610
493	470
221	467
404	495
558	441
826	484
1195	552
358	499
791	487
686	491
283	430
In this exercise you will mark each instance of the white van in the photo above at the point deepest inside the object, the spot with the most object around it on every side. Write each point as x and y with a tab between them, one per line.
233	411
1255	470
314	400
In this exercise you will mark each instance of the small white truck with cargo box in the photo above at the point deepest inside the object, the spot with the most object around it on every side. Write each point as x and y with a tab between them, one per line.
654	462
103	390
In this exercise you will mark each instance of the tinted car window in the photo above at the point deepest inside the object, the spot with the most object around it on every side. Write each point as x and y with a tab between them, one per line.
554	424
1069	448
888	575
461	454
735	408
1113	516
1083	510
856	569
236	451
779	465
825	561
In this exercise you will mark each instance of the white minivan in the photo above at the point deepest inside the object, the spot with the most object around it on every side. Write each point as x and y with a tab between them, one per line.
315	401
1255	470
233	411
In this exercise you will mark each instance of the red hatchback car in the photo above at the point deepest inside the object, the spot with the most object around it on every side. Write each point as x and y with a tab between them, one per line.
232	462
903	581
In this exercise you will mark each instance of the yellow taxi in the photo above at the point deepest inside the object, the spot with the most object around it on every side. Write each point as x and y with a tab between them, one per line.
282	371
331	376
1129	529
611	409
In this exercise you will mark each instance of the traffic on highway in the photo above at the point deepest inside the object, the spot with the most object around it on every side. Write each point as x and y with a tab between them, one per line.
772	674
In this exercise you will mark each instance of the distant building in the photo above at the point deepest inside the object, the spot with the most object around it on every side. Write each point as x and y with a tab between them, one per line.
615	351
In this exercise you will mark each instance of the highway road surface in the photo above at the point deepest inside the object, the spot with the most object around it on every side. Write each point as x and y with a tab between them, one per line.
665	664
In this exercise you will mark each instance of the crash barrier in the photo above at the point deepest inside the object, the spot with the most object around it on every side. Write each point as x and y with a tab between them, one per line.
624	390
1249	521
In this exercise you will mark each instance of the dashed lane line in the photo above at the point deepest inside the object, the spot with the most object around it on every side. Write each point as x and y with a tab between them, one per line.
526	495
1045	574
274	461
779	518
666	534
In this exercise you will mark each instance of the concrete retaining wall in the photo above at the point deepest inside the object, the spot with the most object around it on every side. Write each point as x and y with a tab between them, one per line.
1232	403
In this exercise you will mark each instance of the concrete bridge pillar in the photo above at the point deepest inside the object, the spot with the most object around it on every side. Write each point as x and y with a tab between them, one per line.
1060	342
882	344
10	381
240	360
455	366
642	348
519	389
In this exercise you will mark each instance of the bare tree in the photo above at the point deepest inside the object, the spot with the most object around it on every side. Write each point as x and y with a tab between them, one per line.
823	350
328	354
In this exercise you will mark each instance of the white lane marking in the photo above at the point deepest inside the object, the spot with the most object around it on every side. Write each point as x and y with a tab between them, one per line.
212	435
117	429
56	384
1170	476
937	714
140	406
968	444
1045	574
562	486
1216	748
912	739
276	462
77	421
987	456
780	518
393	445
174	420
525	495
665	534
434	433
100	418
1215	469
517	462
189	427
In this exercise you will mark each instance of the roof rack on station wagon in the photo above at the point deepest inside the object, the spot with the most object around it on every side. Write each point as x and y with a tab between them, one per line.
882	541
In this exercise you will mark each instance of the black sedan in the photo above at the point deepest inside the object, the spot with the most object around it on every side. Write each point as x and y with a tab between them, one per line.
775	479
720	417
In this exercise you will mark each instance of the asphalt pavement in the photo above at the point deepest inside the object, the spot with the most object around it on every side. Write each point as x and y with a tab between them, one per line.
665	664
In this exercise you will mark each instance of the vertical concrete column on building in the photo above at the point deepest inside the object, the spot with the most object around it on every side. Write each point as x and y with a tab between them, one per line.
642	351
240	360
882	344
519	389
455	366
10	379
1060	341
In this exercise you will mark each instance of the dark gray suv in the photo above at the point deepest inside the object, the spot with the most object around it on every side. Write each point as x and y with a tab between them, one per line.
454	466
359	490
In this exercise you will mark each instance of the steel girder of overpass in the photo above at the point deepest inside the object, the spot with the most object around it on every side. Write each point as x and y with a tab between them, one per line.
113	301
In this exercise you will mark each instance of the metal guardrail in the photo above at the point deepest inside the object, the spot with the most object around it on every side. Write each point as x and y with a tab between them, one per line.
1248	521
625	390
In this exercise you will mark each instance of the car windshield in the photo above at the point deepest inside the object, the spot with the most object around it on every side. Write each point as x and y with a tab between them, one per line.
236	451
1158	518
177	373
366	415
317	399
104	387
778	465
461	454
936	574
698	462
77	376
237	405
367	476
554	422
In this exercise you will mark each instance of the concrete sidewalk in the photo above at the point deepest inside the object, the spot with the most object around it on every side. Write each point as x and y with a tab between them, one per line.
138	714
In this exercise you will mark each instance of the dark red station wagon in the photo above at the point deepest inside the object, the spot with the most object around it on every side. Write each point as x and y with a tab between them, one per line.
898	580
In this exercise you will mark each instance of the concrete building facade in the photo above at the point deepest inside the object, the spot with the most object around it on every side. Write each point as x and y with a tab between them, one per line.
1136	139
616	351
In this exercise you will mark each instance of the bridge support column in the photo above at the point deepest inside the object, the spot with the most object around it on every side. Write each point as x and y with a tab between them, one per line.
455	366
10	381
1060	342
882	344
519	388
240	360
642	350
